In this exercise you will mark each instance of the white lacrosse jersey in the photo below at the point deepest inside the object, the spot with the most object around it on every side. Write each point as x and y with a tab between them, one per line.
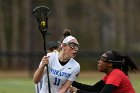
38	86
59	74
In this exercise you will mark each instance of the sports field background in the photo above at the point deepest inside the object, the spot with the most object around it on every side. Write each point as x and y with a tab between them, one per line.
19	82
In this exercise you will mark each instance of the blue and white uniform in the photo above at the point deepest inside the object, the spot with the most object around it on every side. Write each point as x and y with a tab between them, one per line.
59	74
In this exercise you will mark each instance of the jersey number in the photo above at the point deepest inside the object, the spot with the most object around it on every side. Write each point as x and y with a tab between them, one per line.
57	81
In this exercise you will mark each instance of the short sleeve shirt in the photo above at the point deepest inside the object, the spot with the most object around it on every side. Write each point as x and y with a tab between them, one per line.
119	79
59	74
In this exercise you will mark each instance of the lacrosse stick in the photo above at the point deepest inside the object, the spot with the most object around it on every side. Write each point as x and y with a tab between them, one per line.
41	14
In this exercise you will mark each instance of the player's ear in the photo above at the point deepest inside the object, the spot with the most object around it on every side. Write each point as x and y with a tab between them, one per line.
110	64
63	45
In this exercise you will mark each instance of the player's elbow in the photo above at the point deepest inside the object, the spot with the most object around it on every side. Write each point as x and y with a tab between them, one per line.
35	81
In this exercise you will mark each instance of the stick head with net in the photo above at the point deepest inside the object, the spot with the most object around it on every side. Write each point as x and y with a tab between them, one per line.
41	14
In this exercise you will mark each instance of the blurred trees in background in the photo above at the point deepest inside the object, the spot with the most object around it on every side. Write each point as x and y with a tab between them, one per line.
99	25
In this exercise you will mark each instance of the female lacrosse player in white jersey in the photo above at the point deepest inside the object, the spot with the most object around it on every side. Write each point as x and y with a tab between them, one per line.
63	69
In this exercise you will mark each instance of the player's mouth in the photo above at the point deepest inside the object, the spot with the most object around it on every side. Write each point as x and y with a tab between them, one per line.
100	68
74	54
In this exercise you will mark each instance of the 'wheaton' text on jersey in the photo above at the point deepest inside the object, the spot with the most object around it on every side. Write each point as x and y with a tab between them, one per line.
59	73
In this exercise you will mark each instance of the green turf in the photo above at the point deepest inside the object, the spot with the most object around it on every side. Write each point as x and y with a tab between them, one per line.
16	86
26	85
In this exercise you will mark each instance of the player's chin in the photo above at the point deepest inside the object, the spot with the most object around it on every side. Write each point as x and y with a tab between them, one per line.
100	69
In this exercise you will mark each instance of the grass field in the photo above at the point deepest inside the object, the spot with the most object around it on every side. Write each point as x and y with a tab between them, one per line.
18	82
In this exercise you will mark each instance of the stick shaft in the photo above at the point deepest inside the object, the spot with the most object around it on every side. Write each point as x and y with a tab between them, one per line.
45	51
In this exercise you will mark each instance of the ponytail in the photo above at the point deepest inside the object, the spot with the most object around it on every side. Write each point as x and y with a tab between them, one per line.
128	65
66	33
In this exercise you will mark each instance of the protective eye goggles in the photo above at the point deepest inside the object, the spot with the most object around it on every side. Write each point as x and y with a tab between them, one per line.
73	45
103	59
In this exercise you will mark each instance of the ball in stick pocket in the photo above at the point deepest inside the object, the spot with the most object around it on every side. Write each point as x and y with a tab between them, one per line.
43	23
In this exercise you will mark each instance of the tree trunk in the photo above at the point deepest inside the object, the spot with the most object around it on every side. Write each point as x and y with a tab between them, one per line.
3	62
15	32
59	20
121	24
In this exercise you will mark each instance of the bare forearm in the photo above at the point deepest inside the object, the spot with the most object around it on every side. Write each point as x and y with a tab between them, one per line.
65	87
38	74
